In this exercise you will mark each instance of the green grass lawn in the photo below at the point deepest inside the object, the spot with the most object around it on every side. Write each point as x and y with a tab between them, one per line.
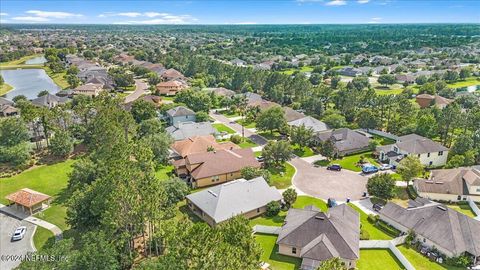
384	92
247	143
350	162
223	128
41	237
164	172
247	124
375	232
300	203
378	259
55	214
270	255
282	177
463	208
20	61
258	153
5	88
468	82
421	262
383	140
270	135
290	71
58	78
303	152
48	179
229	113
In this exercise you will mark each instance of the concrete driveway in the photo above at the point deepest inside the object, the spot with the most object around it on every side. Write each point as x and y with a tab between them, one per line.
8	225
140	88
322	183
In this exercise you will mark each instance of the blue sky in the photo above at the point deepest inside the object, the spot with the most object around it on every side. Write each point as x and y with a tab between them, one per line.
240	12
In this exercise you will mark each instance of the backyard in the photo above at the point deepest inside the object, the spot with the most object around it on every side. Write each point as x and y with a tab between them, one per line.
270	255
378	259
421	262
376	232
463	208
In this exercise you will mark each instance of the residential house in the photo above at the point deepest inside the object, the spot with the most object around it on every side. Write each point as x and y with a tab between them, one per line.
405	78
456	184
185	130
49	101
170	88
238	62
172	74
216	167
223	92
426	100
193	145
180	114
316	236
240	197
7	108
309	122
89	89
429	152
436	225
345	140
291	114
350	71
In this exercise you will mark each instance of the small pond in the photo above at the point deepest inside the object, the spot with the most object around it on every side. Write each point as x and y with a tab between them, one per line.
39	60
28	82
470	89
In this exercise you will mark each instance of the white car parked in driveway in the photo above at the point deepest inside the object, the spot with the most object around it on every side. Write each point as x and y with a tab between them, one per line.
385	167
19	233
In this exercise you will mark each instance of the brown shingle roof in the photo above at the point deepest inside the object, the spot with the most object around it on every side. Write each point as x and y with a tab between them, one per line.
221	162
449	181
200	144
27	197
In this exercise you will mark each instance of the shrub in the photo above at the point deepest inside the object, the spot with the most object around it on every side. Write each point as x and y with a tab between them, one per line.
273	208
460	261
372	218
410	238
364	235
236	139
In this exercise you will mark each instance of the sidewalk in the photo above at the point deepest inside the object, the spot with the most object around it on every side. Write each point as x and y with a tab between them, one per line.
34	220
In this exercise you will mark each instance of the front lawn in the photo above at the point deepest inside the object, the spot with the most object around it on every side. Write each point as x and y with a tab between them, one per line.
463	208
247	143
48	179
282	177
41	237
164	172
270	248
303	201
382	91
246	123
378	259
229	113
272	136
421	262
350	162
222	128
376	232
303	152
464	83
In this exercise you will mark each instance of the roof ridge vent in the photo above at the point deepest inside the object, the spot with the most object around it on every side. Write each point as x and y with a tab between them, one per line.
213	193
441	208
320	217
439	183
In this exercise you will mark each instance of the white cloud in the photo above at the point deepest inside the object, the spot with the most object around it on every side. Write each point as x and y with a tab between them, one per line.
30	19
363	1
3	14
53	14
130	14
336	3
151	18
375	20
154	14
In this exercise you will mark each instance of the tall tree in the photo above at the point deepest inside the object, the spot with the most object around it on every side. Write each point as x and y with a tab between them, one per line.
409	168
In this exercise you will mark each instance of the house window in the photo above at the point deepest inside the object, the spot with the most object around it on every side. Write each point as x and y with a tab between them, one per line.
258	210
294	250
478	189
428	154
440	153
215	178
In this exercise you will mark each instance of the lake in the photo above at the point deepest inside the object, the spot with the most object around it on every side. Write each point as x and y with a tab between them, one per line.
470	89
39	60
28	82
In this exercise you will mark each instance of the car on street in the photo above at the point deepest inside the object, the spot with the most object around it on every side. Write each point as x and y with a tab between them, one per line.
385	167
369	168
377	207
19	233
334	167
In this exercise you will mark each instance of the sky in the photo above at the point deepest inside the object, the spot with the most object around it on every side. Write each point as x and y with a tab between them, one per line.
240	11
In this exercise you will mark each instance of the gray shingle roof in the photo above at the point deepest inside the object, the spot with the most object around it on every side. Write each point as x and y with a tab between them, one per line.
310	122
449	181
180	111
190	129
416	144
234	198
345	139
49	100
443	226
322	235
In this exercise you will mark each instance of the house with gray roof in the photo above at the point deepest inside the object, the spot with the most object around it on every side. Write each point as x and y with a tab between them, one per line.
240	197
185	130
345	140
309	122
49	101
316	236
436	225
455	184
180	114
429	152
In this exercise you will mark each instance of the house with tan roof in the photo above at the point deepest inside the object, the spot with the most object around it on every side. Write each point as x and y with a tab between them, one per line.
240	197
426	100
429	152
171	74
88	89
456	184
170	88
216	167
193	145
316	236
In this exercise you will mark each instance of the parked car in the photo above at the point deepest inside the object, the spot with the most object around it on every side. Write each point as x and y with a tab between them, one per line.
334	167
377	207
19	233
385	167
331	202
369	168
